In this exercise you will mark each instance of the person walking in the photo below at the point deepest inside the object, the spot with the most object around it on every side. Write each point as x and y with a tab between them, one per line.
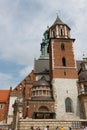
62	128
57	128
46	128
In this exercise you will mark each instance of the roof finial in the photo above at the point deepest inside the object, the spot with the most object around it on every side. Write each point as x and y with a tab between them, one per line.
83	54
47	27
84	57
58	20
58	13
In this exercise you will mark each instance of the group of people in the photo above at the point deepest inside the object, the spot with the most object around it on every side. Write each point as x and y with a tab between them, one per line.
61	128
58	128
32	128
84	128
46	128
38	128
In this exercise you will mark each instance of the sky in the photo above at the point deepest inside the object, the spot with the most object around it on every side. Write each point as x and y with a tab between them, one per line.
22	24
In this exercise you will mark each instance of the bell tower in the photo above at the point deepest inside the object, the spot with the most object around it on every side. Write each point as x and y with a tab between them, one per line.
61	48
63	72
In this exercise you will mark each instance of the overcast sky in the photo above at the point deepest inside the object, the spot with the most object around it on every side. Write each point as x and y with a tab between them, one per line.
22	24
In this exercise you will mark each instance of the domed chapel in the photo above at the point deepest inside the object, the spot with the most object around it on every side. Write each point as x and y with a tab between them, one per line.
56	88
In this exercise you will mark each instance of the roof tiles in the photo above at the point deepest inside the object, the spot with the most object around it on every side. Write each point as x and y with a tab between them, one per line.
4	95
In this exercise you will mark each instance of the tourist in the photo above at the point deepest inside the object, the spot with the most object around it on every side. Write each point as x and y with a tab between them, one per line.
57	128
10	128
61	128
86	128
46	128
32	128
38	128
83	128
70	128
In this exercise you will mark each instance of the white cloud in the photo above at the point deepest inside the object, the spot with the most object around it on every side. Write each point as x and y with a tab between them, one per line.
23	22
6	81
26	71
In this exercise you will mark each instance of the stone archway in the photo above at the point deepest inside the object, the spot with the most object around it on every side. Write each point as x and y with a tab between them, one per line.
44	113
43	108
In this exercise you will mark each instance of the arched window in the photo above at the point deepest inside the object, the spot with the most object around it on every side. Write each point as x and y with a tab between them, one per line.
64	61
68	105
61	31
62	47
54	34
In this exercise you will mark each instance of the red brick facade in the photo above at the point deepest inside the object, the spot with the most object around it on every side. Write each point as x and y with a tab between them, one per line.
4	104
34	106
56	55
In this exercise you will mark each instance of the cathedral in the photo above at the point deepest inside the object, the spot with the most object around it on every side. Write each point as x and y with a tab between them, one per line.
55	89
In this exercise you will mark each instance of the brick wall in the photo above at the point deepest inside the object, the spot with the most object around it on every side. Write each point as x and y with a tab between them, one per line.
34	106
3	111
56	55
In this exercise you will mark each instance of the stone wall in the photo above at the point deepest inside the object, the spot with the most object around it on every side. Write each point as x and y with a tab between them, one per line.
5	127
10	111
25	124
66	88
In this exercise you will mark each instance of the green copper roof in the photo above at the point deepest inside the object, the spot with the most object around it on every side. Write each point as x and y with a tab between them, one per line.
44	46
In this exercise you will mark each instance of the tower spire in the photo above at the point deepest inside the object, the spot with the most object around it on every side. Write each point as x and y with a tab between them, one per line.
58	20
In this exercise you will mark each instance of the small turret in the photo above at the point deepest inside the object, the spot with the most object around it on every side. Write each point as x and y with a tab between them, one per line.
59	29
83	73
84	64
82	87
